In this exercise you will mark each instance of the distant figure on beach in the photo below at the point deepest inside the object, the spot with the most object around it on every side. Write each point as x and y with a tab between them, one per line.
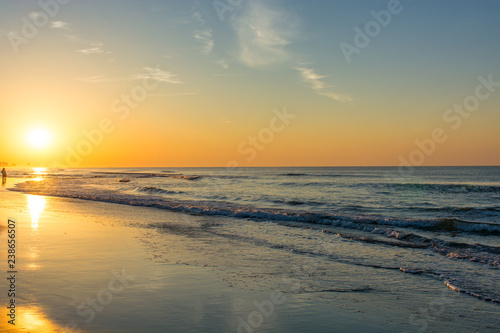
4	173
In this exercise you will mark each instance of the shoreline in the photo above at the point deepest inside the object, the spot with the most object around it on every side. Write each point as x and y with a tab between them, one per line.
69	259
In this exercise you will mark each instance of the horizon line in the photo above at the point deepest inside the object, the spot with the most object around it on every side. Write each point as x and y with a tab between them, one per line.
259	166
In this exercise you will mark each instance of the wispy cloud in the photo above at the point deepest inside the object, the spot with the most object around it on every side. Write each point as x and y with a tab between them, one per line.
59	25
263	34
229	74
93	49
198	17
205	37
309	76
74	38
316	83
223	63
95	79
89	47
156	74
35	15
335	97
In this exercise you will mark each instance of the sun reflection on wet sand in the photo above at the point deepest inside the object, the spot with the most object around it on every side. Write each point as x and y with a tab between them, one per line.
31	319
36	204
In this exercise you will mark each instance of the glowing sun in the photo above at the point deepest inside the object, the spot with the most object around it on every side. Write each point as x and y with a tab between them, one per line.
39	138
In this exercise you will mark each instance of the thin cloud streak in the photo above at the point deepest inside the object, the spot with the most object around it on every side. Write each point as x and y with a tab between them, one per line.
90	47
96	79
59	25
158	75
205	37
148	73
229	74
310	77
95	48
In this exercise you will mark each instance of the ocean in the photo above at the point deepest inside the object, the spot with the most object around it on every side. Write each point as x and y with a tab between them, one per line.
371	226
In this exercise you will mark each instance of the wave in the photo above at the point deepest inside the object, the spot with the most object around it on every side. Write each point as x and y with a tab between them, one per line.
454	286
155	190
227	176
458	209
328	175
444	188
361	289
467	287
293	202
480	253
149	175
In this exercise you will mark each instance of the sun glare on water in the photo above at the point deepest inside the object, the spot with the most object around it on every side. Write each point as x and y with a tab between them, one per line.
39	138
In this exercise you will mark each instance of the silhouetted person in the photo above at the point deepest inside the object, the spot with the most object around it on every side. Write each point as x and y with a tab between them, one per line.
4	177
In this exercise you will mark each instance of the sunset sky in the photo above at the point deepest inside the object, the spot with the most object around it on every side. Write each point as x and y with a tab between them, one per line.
253	83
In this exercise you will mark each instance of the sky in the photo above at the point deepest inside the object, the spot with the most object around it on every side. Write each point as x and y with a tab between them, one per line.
231	83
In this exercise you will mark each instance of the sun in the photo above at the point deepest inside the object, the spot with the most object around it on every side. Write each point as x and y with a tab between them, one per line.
39	138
